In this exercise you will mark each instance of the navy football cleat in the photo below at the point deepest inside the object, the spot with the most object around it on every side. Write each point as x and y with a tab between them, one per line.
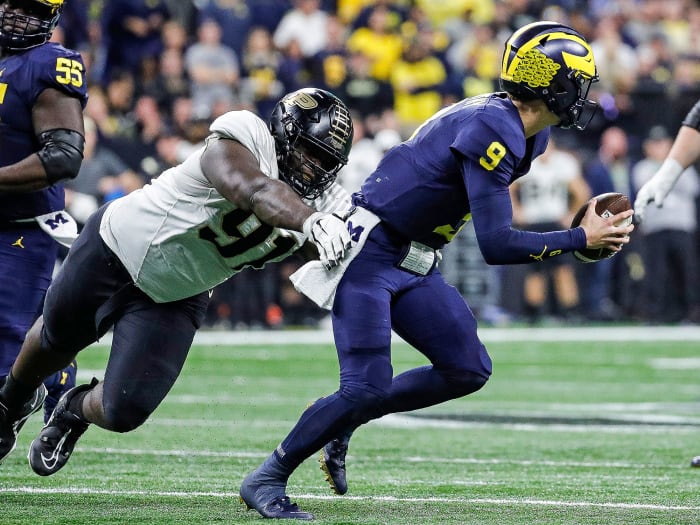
280	507
51	450
332	462
264	492
695	462
11	422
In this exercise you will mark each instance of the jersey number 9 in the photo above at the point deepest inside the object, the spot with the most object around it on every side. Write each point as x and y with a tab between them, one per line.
494	153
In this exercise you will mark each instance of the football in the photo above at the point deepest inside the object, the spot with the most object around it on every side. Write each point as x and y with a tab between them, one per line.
608	204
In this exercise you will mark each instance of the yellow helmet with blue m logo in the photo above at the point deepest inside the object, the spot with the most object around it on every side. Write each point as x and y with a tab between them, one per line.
551	62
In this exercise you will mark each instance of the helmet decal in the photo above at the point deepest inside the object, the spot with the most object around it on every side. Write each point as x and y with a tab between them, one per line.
301	99
584	64
535	69
341	128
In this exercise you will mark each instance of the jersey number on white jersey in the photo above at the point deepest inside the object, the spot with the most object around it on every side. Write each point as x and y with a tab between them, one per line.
242	232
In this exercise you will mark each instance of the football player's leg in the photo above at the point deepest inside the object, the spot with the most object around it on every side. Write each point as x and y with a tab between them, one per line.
149	347
150	343
25	274
24	279
87	280
27	259
435	319
363	339
86	283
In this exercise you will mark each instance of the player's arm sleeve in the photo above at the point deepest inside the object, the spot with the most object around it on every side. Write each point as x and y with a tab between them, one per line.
692	119
487	177
251	131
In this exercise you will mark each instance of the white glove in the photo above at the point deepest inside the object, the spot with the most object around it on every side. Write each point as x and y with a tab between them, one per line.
330	235
658	187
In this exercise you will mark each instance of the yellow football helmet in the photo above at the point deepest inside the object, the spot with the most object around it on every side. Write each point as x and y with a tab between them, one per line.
554	63
27	23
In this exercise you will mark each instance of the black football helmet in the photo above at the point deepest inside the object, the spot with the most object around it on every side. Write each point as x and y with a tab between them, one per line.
313	134
27	23
551	62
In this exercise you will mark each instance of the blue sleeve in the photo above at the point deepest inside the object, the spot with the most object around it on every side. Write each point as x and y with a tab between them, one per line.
492	215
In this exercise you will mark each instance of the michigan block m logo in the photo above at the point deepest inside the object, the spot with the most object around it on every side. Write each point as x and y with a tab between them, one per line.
355	231
55	221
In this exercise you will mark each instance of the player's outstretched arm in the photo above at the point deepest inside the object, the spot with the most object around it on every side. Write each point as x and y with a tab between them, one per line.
233	170
685	151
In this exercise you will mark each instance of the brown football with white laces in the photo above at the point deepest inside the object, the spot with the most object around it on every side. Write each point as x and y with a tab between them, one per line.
608	204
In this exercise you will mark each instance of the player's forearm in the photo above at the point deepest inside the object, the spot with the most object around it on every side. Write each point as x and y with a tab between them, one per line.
686	146
500	243
511	246
276	204
25	175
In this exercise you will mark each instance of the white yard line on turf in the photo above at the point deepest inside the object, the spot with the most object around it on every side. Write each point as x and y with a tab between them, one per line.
487	334
373	459
477	501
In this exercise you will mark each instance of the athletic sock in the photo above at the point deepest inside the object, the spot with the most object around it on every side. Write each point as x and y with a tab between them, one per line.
75	405
15	393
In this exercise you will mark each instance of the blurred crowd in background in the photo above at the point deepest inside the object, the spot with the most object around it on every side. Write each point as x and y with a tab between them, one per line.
159	71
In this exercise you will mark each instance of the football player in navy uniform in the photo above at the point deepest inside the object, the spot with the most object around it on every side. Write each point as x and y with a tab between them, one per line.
456	167
684	152
42	95
144	264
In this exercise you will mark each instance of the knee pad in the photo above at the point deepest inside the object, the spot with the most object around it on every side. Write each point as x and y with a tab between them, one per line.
365	381
463	382
365	402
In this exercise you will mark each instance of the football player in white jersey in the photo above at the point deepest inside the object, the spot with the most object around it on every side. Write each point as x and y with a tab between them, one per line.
144	264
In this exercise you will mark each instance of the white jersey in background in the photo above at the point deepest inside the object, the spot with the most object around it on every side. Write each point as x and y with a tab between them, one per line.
178	236
544	190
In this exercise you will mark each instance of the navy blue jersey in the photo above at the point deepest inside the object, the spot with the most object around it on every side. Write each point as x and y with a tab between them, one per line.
23	77
458	166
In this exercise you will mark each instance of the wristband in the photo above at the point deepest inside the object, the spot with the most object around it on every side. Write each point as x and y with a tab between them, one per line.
309	223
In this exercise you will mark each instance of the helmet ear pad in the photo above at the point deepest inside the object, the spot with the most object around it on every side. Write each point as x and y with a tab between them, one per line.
562	94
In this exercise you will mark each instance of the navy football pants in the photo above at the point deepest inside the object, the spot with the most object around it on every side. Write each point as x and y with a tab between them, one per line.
373	297
27	258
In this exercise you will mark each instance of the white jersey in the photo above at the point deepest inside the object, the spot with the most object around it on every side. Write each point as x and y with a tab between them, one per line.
544	191
178	236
